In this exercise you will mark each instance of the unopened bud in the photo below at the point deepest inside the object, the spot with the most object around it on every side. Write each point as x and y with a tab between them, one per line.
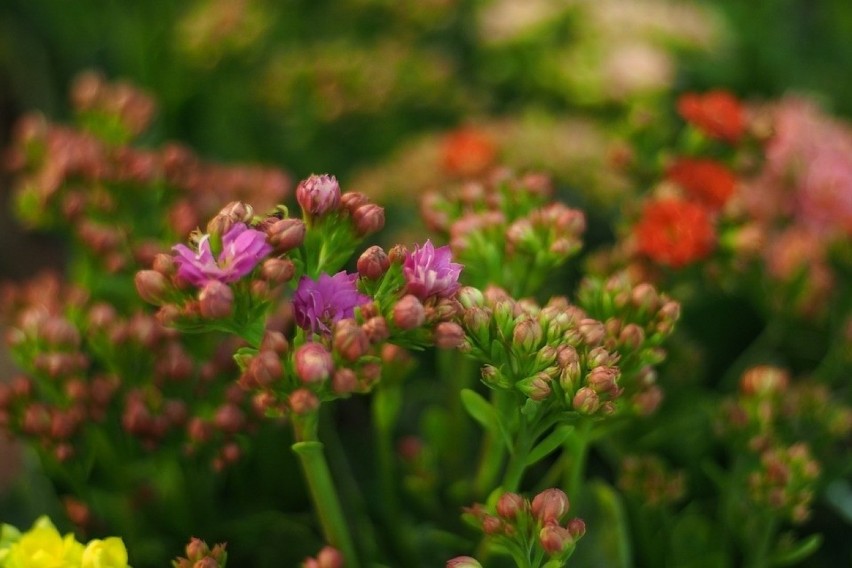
645	298
509	505
550	505
469	297
229	418
527	335
408	312
554	538
330	557
151	286
397	254
448	335
265	368
302	401
274	341
603	380
586	401
463	562
313	363
286	234
368	219
344	381
592	330
350	341
632	336
216	300
373	263
536	387
318	195
277	270
577	527
376	329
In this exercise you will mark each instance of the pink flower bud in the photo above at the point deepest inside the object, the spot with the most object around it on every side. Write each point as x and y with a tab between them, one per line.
330	557
764	380
368	219
603	380
463	562
577	527
344	381
449	335
318	195
554	538
265	368
303	401
373	263
229	419
216	300
151	286
376	329
510	504
408	312
550	505
586	401
527	335
349	340
592	330
286	234
352	200
277	270
274	341
313	363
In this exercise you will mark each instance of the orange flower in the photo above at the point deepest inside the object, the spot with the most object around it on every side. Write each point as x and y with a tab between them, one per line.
674	232
718	114
467	152
708	181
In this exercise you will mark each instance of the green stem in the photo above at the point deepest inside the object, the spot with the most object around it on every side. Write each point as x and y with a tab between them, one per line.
518	461
493	450
577	451
758	555
321	487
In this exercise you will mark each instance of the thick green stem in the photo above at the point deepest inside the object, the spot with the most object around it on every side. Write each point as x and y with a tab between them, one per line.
577	450
322	490
493	451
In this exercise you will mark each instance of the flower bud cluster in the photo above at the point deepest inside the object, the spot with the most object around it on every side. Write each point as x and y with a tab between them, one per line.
200	555
555	353
770	411
528	528
155	391
649	480
785	482
321	201
503	230
93	184
636	322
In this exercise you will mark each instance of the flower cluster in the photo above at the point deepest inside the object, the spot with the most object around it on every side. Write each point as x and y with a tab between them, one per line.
199	554
503	230
527	530
43	547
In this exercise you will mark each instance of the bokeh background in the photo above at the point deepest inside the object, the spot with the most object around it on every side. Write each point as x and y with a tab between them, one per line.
384	93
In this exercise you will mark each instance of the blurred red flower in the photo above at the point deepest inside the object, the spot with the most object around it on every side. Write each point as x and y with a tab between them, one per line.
718	114
674	232
707	181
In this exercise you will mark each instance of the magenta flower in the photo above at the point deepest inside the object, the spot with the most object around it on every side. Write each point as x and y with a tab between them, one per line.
319	304
242	249
429	271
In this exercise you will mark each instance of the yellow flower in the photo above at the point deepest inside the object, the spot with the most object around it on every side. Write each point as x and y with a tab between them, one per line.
43	547
107	553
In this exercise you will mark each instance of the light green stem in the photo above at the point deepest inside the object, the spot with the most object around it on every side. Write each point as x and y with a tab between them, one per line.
322	490
577	451
758	555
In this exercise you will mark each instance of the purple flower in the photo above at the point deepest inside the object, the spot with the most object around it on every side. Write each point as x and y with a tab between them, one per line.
318	195
429	271
242	250
319	304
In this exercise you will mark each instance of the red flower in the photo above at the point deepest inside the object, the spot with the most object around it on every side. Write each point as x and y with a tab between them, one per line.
708	181
467	152
718	114
674	232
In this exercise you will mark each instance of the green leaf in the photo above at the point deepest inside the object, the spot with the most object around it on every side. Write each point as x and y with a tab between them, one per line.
798	552
485	414
606	542
550	442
